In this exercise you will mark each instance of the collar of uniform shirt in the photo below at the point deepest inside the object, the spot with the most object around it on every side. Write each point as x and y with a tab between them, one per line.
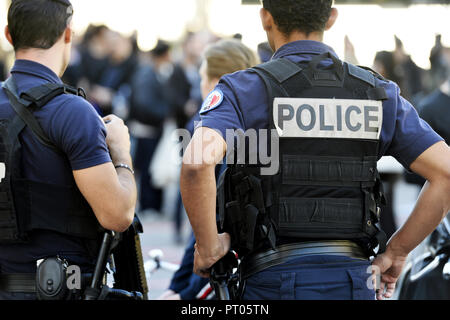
32	68
302	46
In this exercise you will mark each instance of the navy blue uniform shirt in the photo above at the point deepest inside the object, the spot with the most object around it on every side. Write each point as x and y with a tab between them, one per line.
244	106
73	125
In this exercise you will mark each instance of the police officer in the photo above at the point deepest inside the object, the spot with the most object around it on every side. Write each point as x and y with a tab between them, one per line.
308	230
67	174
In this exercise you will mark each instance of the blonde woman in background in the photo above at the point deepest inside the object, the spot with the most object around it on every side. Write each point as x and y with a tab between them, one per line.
220	58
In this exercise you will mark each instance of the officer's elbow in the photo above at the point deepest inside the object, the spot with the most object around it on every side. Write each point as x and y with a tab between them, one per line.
117	218
117	223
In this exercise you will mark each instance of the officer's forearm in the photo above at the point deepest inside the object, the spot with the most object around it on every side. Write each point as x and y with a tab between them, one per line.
198	189
432	206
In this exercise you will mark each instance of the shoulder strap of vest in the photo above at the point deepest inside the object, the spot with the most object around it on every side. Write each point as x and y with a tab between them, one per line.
37	97
280	69
22	110
41	95
368	76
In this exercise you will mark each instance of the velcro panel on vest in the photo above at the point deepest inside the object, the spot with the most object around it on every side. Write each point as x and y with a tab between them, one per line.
330	171
57	208
320	217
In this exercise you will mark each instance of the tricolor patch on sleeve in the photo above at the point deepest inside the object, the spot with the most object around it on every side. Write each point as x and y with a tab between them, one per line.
213	101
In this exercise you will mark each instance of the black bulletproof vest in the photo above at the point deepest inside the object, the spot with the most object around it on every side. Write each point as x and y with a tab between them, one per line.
29	205
327	187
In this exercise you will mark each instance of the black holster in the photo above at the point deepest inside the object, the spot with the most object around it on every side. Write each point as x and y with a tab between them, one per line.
242	211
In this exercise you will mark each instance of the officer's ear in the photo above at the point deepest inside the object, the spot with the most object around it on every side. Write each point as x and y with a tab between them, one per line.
333	16
266	19
68	35
8	35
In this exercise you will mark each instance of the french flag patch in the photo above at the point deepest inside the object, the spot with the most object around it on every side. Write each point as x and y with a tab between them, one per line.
214	100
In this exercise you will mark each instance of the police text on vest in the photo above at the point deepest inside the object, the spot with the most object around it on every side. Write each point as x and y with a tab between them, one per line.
328	118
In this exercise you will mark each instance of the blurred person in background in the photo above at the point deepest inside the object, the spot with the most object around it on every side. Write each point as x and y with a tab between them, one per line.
184	95
183	87
95	50
432	106
89	59
114	81
435	108
399	67
149	109
220	58
438	63
265	52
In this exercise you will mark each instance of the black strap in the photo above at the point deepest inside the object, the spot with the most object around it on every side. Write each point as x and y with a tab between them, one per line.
20	107
280	69
337	66
39	96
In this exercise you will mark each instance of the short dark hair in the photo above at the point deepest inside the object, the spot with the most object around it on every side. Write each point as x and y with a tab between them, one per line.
302	15
38	23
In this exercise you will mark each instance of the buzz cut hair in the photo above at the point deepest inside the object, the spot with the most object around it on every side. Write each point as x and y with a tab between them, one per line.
307	16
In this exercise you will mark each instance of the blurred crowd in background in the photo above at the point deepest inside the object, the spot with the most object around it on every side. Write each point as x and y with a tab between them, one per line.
158	91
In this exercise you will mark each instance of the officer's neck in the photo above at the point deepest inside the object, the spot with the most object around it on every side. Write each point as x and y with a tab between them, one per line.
281	39
51	58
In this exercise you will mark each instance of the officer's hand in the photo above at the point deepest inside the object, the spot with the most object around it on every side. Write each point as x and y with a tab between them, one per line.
203	262
389	265
118	138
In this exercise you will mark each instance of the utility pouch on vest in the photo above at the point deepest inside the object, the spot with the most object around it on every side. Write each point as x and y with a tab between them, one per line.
242	211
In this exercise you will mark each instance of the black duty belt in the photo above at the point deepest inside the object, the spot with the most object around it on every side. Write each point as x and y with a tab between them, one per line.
260	261
18	282
26	282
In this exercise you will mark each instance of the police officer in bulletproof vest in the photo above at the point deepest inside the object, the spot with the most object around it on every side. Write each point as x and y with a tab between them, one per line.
66	174
305	224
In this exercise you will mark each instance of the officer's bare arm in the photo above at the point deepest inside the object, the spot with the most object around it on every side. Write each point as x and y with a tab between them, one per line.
198	189
111	192
434	201
432	206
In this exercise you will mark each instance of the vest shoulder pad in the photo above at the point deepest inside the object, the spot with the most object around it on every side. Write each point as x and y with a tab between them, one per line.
280	69
43	94
365	74
361	74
